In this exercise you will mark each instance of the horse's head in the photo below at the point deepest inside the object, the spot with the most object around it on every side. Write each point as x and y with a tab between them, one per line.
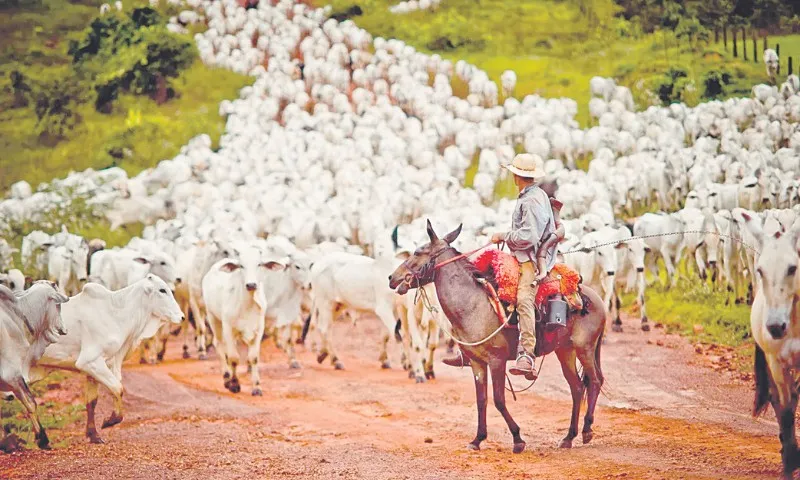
420	268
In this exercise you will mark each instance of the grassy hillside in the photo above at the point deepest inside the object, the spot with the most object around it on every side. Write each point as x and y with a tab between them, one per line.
554	47
136	135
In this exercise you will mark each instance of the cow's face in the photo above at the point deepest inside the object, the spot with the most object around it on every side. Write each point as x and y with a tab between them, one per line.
163	304
79	258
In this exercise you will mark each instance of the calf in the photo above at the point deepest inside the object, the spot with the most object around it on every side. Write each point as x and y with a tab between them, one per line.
103	328
28	324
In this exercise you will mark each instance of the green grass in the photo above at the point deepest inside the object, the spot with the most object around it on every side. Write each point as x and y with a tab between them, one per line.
53	415
553	48
35	40
790	46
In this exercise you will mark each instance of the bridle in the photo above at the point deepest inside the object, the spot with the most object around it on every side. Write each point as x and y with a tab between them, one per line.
427	272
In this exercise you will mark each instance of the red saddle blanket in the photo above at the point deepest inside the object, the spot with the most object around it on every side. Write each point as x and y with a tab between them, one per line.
503	270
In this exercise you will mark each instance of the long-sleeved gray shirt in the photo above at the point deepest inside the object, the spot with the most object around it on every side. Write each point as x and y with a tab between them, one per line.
532	222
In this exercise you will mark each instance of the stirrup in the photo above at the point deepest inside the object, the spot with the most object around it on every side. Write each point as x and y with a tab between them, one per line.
529	374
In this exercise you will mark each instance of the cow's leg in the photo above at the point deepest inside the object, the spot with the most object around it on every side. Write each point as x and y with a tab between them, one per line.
231	354
200	328
24	395
91	404
99	370
479	372
216	338
184	333
253	349
670	266
415	343
285	334
161	342
385	312
640	289
498	371
325	314
568	368
700	262
432	337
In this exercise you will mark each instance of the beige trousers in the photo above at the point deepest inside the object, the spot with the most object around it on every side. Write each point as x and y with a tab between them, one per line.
526	309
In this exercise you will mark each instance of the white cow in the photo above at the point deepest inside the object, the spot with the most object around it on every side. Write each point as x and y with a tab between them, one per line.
34	252
664	240
356	283
118	268
14	280
66	265
701	241
420	329
236	304
103	327
630	272
6	253
28	324
206	255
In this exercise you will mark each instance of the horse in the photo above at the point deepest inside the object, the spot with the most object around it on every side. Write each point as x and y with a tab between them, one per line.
776	331
489	346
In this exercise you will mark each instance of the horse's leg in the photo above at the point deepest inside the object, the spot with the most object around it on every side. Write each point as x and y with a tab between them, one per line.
498	370
567	359
592	378
481	390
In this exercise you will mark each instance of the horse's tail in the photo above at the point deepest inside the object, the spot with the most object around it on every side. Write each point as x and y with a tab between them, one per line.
763	380
598	368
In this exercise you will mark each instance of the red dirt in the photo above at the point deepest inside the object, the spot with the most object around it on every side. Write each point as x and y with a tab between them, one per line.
666	413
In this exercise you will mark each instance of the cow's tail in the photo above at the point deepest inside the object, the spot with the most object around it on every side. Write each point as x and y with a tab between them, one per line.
763	381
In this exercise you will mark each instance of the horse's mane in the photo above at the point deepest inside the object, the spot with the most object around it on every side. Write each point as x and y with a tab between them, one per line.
477	275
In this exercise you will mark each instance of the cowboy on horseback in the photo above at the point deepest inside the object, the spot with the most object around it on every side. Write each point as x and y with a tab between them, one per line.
533	240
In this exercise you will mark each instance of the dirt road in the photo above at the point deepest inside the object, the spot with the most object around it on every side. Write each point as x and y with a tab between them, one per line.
665	414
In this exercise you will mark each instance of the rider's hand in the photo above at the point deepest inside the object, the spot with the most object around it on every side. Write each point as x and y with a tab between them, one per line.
498	238
539	278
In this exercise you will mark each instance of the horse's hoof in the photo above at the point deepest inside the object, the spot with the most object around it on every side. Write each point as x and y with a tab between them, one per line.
114	419
587	437
96	440
386	365
616	327
645	327
257	392
565	444
420	379
519	447
430	375
186	354
321	357
43	442
473	447
294	365
202	356
337	365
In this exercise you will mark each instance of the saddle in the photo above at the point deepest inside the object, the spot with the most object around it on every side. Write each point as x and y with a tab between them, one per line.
558	297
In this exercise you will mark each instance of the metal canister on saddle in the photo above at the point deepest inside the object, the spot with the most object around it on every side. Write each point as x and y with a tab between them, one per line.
556	313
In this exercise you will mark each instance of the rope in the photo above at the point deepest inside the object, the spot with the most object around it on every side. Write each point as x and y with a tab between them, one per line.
426	302
642	237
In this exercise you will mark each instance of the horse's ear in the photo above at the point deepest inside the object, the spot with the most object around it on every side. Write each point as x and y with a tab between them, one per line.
394	237
431	234
451	237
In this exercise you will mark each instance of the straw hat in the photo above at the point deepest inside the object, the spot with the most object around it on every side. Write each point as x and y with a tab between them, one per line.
527	166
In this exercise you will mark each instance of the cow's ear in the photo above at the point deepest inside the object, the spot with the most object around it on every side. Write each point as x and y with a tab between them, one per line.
141	260
229	267
274	266
621	245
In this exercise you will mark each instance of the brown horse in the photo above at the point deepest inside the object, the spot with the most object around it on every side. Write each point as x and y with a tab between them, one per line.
473	318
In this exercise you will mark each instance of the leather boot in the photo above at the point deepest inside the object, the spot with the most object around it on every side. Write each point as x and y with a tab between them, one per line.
524	366
457	360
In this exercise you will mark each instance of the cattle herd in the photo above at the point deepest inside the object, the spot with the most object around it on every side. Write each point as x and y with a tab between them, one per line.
329	165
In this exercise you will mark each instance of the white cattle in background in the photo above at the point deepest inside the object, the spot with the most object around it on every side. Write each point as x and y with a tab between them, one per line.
343	281
103	327
34	252
236	303
664	239
206	255
14	280
6	255
118	268
29	322
67	264
701	241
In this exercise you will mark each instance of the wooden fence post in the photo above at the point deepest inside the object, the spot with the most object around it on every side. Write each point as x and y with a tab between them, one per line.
725	36
755	49
735	50
778	51
765	43
716	35
744	44
791	71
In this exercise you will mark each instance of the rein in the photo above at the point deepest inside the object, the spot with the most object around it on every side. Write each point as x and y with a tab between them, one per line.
426	302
